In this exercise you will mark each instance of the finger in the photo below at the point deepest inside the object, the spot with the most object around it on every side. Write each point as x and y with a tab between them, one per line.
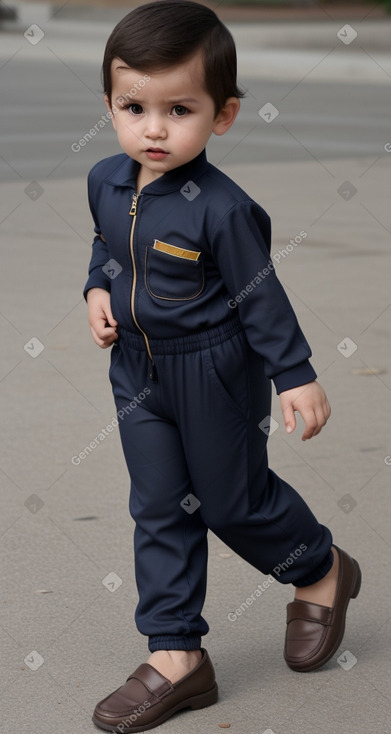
322	414
104	332
102	338
289	418
311	425
98	323
317	430
96	338
109	316
110	333
111	339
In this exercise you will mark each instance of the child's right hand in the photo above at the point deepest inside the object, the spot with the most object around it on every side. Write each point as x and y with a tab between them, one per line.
102	323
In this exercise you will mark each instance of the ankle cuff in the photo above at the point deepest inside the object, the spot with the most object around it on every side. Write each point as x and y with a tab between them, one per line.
174	642
318	573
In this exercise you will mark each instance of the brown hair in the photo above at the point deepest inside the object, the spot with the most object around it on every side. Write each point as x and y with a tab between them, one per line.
165	33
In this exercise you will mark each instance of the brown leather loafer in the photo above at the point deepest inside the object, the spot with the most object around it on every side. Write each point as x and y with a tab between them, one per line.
314	632
148	698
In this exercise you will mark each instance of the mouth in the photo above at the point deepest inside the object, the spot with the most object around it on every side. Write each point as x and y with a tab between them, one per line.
156	154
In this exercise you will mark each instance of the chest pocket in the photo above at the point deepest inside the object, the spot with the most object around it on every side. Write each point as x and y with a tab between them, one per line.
173	273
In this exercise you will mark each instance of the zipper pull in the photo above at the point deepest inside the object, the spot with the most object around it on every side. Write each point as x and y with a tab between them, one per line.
152	371
133	208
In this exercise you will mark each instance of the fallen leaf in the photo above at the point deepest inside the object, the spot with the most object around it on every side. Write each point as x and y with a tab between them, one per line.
88	517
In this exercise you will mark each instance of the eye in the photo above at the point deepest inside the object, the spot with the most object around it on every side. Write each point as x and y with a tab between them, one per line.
135	109
180	110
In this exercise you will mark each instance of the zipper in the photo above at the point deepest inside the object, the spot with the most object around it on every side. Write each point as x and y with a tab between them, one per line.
133	213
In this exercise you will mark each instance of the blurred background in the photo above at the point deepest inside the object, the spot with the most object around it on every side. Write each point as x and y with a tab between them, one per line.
312	145
51	88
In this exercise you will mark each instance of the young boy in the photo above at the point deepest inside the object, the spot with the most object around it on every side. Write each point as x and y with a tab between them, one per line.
182	286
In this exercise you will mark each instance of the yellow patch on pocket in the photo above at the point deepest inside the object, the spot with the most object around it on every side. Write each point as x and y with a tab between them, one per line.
177	251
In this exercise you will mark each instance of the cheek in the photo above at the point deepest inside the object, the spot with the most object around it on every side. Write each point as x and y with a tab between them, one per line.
123	127
117	121
187	133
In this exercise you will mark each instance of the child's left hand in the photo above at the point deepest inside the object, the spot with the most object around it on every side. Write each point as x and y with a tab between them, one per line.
311	402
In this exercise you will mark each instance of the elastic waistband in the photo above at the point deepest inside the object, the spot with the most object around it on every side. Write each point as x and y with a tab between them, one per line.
182	344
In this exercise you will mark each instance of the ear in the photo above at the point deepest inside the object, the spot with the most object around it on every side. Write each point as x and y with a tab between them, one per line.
111	110
226	116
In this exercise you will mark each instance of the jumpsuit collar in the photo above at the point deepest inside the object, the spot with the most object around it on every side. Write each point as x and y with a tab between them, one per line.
127	171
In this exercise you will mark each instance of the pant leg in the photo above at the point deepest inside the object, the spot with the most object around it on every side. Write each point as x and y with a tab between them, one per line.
197	431
221	395
170	544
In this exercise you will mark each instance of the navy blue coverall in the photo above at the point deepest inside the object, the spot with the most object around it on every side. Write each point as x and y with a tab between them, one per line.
204	326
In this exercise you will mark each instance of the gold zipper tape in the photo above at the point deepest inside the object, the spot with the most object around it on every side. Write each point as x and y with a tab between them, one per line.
177	251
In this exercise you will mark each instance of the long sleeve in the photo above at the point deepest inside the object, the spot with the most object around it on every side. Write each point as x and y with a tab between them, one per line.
97	278
241	246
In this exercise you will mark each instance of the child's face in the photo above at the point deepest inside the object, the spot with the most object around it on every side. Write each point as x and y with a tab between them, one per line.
169	111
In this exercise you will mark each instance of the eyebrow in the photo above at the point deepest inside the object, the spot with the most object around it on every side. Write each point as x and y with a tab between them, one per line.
139	101
183	99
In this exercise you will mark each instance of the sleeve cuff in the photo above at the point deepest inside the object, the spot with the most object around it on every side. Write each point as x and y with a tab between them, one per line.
96	281
294	377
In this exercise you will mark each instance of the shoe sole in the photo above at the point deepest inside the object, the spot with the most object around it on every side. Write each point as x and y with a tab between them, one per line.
195	702
309	668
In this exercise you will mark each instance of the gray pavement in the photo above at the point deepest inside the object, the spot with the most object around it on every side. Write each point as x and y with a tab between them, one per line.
67	640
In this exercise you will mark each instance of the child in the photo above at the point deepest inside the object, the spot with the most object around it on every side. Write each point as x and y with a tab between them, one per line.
182	286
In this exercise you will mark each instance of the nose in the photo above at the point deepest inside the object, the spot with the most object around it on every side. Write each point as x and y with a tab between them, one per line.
155	127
